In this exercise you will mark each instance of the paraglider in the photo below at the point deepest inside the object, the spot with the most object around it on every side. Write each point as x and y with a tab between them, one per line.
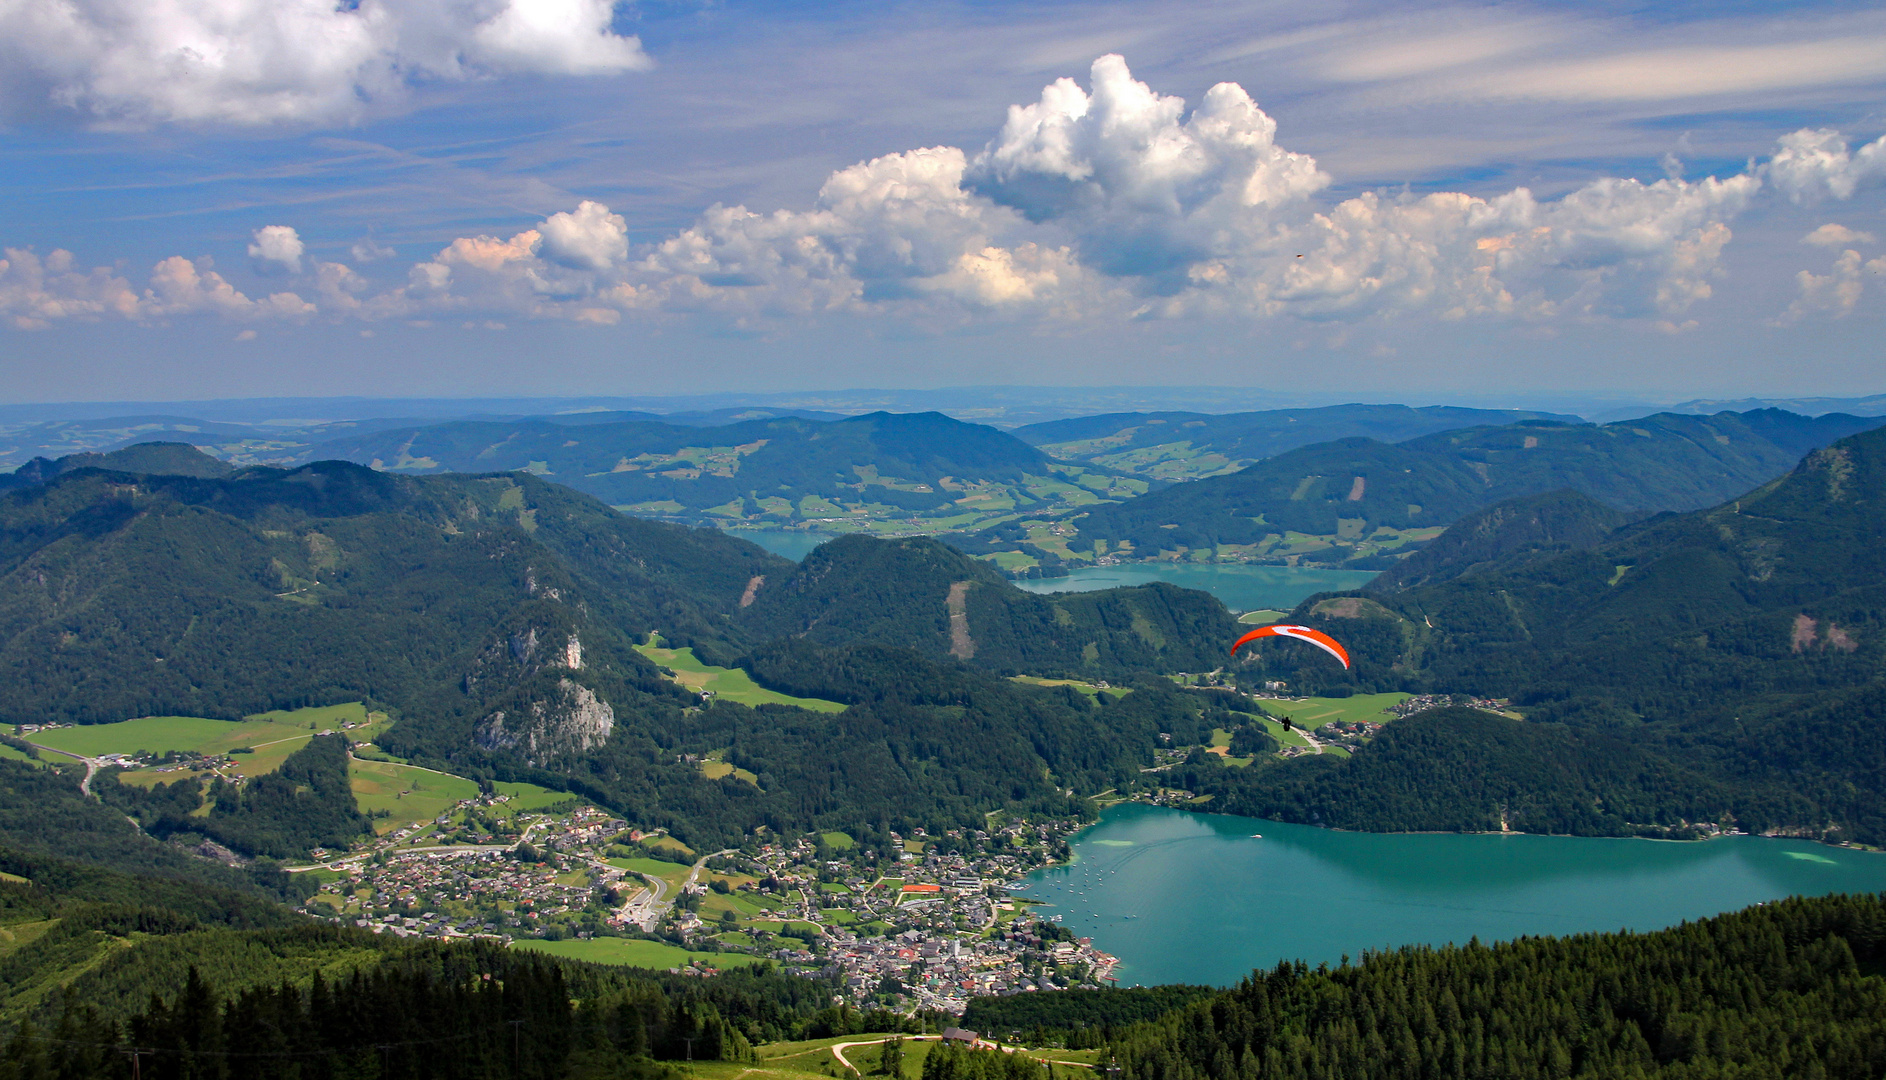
1301	633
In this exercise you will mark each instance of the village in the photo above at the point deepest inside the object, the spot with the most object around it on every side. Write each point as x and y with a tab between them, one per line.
913	922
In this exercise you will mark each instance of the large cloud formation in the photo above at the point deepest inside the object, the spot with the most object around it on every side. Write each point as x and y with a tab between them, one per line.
1117	200
249	62
1107	202
35	292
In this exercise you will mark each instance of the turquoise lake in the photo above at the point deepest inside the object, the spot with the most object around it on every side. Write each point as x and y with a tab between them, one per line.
1241	587
1195	898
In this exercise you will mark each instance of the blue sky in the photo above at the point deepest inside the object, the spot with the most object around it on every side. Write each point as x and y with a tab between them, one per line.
410	197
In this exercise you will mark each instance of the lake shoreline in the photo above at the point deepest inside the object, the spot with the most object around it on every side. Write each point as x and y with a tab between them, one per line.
1843	846
1183	895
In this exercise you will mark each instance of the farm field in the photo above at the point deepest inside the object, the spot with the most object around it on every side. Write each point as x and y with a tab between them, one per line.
406	792
634	952
1313	713
1087	688
728	684
528	798
672	873
272	736
161	734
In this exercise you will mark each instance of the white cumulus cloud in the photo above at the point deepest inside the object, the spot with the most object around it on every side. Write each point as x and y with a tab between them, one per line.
250	62
1105	202
1834	234
590	238
1815	164
277	247
1144	188
35	293
1834	294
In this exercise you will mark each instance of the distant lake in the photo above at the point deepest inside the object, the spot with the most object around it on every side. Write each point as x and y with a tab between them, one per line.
794	544
1241	587
1194	898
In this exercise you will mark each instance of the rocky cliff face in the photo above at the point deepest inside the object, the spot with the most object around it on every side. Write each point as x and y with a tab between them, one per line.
523	653
568	721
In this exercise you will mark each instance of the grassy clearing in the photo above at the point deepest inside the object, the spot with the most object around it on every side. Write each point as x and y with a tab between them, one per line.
1221	745
838	841
1282	734
271	737
1084	687
162	734
1262	617
672	873
714	766
634	952
1313	713
729	684
408	793
529	797
668	843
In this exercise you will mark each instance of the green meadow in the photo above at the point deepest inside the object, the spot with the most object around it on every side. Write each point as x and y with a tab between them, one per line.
1313	713
634	952
728	684
407	793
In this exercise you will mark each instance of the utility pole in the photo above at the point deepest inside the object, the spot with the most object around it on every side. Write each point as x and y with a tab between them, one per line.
136	1056
517	1060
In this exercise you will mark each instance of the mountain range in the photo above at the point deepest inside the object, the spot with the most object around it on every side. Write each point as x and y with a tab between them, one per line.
1362	495
495	616
1191	445
1717	667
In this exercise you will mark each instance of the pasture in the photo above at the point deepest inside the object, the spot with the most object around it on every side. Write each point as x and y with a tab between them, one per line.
634	952
728	684
407	793
1313	713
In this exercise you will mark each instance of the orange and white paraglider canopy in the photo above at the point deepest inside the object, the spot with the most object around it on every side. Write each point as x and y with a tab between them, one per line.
1302	633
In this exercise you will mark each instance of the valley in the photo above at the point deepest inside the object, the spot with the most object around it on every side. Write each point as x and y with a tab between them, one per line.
493	715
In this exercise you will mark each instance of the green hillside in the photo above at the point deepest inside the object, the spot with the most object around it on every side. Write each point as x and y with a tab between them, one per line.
897	472
1721	667
496	619
165	458
165	595
1190	446
923	595
1505	534
1355	491
1787	989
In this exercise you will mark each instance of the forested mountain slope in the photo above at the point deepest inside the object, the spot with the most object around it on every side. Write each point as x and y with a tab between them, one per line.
165	458
1188	446
1353	487
925	596
94	966
130	595
1787	989
1721	666
495	617
1782	589
1504	534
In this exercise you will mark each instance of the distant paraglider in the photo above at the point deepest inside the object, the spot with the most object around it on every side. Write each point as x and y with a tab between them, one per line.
1301	633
